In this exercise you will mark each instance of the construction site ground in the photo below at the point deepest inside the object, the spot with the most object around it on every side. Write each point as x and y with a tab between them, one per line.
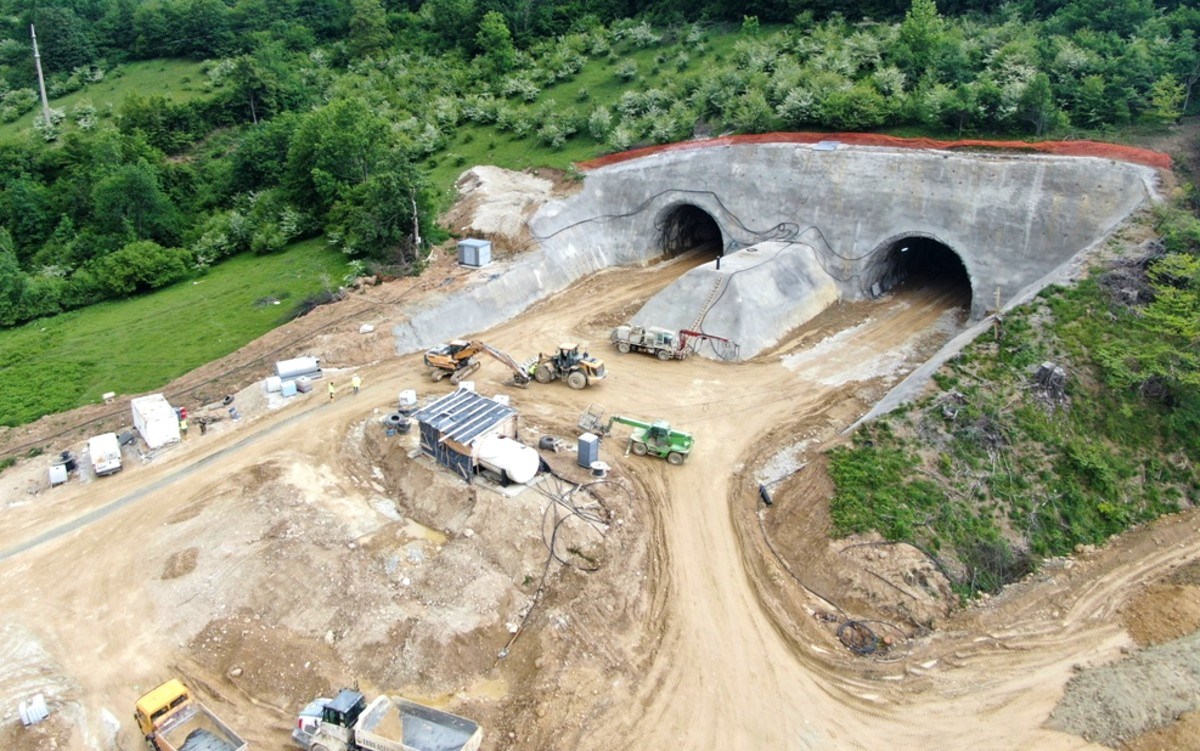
302	548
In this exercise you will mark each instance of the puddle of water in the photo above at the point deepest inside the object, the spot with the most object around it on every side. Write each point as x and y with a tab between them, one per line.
489	688
419	531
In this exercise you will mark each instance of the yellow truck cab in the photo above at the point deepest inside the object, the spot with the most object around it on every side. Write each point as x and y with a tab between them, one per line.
171	719
154	707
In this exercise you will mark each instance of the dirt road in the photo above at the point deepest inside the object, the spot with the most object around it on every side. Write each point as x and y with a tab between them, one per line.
299	550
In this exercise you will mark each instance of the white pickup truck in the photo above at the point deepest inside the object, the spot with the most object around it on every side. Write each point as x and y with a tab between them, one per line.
348	723
105	453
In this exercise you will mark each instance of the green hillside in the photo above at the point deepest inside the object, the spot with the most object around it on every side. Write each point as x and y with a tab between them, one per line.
132	346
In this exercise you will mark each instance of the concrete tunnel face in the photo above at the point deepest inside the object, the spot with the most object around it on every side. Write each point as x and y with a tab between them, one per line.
920	261
686	228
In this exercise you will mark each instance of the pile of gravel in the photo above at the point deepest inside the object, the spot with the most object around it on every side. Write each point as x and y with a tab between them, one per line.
1115	703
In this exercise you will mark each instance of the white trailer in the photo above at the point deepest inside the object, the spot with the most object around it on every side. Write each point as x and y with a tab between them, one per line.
105	453
155	420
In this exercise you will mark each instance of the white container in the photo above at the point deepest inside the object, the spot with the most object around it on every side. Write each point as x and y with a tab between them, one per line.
273	384
33	710
156	420
58	474
502	454
298	366
408	398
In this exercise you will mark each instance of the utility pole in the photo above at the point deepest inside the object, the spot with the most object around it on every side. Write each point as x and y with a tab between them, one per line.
416	225
37	61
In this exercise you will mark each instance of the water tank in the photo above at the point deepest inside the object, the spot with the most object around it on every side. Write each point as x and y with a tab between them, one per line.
273	384
288	388
33	711
304	384
298	366
515	460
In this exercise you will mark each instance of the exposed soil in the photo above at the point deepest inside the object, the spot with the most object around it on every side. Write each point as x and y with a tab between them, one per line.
302	548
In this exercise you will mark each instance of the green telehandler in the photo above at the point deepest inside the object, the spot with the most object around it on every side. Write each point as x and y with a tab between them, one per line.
647	438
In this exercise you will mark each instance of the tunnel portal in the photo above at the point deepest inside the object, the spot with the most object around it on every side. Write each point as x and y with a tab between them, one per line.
689	229
921	262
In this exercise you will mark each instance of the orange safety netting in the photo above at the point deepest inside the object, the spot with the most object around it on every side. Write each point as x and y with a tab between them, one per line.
1133	154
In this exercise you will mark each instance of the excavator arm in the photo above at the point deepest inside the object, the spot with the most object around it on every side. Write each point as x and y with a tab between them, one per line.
520	376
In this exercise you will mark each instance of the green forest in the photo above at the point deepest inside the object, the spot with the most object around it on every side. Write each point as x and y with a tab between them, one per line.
281	121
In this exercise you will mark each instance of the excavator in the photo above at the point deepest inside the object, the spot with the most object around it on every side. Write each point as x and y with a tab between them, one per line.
459	359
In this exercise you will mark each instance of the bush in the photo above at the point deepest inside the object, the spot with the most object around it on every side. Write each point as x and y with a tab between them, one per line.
599	123
141	266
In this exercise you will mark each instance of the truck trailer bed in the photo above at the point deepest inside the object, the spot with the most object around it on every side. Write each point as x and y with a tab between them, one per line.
402	725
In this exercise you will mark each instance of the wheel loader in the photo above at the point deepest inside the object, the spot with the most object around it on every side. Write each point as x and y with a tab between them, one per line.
578	369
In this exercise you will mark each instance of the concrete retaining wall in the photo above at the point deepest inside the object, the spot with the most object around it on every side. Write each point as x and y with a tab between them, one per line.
1011	219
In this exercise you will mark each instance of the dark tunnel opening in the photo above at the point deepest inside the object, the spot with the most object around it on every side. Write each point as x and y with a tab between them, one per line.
922	263
690	229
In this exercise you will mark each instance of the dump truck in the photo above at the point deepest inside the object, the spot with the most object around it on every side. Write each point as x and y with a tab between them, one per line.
349	723
664	343
652	438
105	453
171	719
458	359
578	369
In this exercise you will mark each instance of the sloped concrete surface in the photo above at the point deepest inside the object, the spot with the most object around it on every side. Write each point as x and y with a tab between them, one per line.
758	295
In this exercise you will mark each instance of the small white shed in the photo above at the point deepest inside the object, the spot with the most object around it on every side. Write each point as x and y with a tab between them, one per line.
474	252
156	420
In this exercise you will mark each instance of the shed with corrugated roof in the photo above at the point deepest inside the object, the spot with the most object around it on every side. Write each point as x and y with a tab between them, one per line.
452	426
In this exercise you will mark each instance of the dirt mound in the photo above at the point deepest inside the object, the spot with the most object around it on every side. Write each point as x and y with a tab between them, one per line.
495	204
180	564
264	659
1182	735
1162	612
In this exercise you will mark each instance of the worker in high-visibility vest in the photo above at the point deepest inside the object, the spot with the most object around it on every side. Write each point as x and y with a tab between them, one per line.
332	390
355	382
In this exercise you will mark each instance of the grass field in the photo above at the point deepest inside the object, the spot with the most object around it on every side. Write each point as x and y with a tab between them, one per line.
181	80
137	345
